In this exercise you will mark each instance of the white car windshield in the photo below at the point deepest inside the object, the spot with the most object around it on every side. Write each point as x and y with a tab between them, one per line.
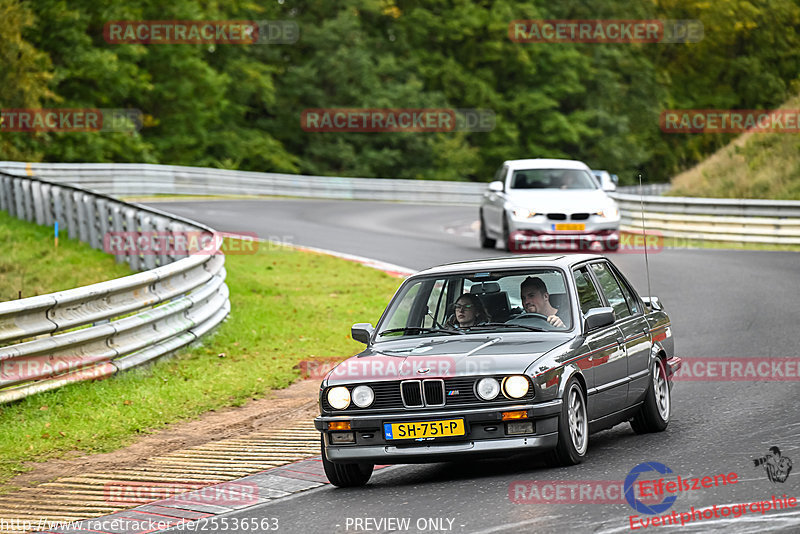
553	179
530	300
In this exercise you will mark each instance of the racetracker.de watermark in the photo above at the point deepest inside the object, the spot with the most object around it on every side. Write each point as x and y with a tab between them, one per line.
201	32
605	31
171	243
373	120
225	494
729	369
730	121
570	491
70	120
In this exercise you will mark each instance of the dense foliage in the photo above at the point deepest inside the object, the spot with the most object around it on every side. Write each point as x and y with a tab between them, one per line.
239	106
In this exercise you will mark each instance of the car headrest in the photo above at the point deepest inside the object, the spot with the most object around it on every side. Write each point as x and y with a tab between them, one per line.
485	287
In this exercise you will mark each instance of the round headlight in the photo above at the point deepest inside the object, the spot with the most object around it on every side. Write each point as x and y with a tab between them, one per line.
516	386
339	397
363	396
488	388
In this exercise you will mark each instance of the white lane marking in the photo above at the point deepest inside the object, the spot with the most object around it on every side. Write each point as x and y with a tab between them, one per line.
368	262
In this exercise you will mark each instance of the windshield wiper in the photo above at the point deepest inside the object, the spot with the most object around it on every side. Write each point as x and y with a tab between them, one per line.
506	325
420	329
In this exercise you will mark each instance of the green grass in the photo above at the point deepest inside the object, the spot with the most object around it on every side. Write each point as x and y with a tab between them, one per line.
754	165
287	306
32	265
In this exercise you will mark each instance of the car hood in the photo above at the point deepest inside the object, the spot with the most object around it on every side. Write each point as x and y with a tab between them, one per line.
559	200
445	358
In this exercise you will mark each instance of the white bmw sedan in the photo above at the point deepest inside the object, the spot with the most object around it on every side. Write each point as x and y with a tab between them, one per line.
548	204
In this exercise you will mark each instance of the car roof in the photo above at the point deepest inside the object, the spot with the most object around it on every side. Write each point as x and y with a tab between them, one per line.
564	261
542	163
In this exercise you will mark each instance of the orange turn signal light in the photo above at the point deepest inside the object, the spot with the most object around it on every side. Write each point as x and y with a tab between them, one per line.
339	425
520	414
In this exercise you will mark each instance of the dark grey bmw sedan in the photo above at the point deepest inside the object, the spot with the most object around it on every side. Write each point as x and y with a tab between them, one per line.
498	357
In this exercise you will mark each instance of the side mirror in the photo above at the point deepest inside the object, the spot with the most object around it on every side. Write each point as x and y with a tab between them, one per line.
496	187
362	332
654	303
598	318
615	179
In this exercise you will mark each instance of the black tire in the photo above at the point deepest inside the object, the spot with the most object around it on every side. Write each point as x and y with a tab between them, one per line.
346	475
656	411
485	241
572	446
507	246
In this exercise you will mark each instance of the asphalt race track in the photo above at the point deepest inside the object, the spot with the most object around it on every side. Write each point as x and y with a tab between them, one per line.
722	304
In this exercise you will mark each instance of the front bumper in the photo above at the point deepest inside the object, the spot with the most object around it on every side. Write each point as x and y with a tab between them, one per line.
485	435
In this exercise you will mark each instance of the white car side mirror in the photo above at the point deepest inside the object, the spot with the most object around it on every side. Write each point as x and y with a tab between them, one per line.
496	187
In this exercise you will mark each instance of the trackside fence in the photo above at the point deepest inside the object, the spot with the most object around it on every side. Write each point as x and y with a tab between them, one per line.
748	221
95	331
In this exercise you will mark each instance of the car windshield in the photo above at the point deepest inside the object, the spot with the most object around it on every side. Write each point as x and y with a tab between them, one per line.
479	302
553	179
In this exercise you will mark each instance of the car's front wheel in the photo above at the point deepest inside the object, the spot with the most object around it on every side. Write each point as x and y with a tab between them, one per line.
346	475
573	427
486	242
657	408
507	245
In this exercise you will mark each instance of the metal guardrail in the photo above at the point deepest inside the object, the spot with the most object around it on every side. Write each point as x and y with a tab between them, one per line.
748	221
95	331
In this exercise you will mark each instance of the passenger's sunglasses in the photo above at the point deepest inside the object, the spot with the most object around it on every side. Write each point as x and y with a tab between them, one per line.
463	306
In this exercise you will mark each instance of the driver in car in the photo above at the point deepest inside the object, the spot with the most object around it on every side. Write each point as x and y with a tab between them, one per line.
536	299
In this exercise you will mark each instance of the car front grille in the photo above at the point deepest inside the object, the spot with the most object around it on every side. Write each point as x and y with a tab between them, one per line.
412	393
580	216
557	216
434	393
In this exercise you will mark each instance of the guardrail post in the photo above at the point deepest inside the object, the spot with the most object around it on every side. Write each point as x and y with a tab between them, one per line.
117	226
93	216
131	226
83	218
47	204
146	224
38	208
19	207
58	206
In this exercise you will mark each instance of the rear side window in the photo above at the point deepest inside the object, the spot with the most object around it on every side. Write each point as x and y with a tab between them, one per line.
633	304
611	290
587	293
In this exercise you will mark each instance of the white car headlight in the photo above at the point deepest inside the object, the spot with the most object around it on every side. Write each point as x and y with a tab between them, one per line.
523	213
488	388
363	396
609	213
516	386
339	397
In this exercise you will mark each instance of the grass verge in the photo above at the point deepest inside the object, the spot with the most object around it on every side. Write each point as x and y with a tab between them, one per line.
32	265
287	306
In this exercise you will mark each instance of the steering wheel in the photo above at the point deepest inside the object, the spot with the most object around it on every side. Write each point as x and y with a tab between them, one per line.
531	315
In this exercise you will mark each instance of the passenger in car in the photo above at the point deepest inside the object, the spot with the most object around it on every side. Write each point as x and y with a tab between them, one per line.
469	311
536	299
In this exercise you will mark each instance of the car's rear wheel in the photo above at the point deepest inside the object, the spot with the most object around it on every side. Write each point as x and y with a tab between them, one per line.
486	242
346	475
657	408
573	427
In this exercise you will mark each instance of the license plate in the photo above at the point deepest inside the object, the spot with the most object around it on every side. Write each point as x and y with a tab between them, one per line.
424	429
570	227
